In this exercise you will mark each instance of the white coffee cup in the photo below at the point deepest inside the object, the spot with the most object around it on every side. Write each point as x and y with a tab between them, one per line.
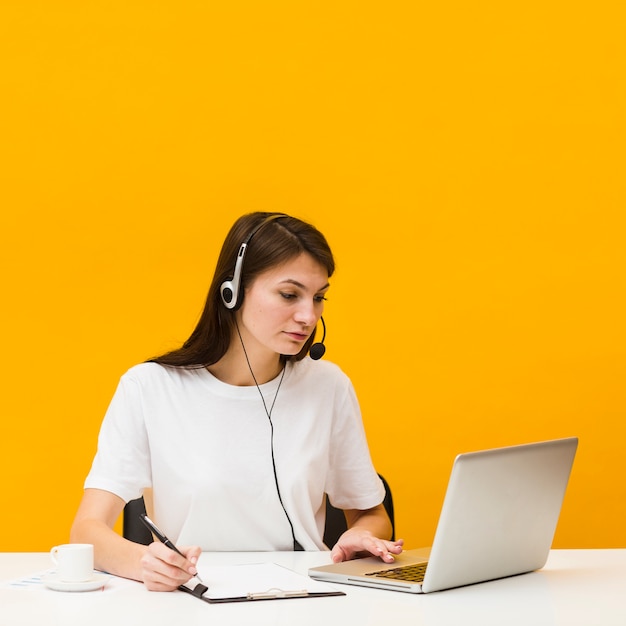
74	562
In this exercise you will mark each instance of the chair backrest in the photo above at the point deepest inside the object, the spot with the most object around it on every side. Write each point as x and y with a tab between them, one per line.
133	528
336	523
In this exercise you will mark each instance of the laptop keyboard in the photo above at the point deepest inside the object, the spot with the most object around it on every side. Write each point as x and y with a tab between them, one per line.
409	573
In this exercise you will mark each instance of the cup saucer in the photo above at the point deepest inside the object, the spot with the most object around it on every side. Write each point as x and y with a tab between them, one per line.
52	581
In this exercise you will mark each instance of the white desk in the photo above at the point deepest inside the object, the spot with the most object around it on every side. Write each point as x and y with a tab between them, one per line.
586	587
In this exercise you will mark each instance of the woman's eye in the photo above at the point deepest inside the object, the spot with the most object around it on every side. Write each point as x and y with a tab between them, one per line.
292	296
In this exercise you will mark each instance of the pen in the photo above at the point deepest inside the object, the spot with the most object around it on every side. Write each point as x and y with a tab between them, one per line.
162	538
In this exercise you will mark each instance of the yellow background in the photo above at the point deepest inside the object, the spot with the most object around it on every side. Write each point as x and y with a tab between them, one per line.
465	160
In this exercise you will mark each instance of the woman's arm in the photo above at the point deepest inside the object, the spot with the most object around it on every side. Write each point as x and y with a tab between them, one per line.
363	536
160	568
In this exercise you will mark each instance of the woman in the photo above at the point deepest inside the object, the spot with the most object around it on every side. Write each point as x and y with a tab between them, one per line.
237	434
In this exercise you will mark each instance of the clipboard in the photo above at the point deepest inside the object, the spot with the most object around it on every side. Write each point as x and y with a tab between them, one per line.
254	583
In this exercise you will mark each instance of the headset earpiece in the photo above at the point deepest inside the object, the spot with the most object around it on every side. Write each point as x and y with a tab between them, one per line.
231	290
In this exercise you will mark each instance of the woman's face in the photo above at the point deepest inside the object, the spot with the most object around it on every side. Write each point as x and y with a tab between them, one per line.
283	305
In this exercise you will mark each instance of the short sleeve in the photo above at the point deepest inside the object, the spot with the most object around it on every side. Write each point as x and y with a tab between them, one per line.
352	480
122	461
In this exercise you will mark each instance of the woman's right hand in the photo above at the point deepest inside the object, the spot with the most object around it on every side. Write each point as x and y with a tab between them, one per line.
159	567
162	569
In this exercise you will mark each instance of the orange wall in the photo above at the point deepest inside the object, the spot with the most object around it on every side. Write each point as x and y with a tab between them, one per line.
466	161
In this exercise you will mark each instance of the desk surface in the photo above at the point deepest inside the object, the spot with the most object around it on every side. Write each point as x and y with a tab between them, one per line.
585	587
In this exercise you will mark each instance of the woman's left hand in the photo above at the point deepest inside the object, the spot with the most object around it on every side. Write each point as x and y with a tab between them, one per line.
357	542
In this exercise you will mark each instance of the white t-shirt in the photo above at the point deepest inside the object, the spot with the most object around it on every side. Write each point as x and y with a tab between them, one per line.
204	448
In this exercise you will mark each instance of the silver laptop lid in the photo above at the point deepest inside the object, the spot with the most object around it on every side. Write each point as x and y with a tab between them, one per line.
500	513
498	519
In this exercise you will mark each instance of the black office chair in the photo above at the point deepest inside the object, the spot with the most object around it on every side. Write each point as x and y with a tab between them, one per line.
336	523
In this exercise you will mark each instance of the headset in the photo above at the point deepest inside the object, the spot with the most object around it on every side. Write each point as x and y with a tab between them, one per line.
231	290
232	297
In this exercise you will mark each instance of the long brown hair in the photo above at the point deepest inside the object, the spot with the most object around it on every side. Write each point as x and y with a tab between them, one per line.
276	242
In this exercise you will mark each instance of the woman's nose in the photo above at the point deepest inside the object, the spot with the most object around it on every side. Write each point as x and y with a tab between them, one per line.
307	314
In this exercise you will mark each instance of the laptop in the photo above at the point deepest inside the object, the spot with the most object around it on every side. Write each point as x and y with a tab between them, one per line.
498	519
